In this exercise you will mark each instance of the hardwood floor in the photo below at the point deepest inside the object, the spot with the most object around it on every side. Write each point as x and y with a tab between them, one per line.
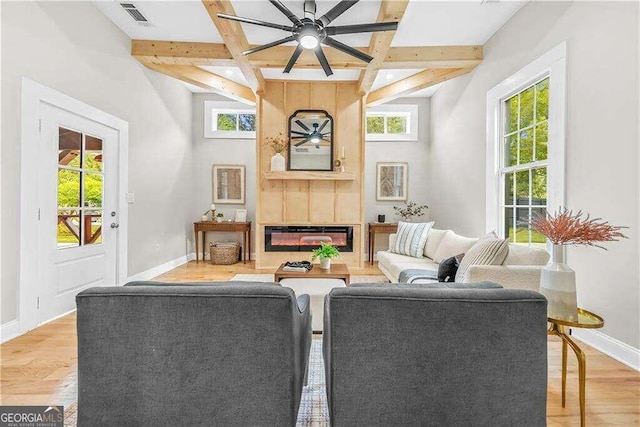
40	367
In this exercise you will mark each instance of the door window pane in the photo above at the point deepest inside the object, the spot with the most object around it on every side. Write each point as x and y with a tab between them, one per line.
92	190
69	147
93	227
68	228
68	188
93	154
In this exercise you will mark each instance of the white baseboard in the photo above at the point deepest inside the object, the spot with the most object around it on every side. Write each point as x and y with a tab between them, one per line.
612	347
9	331
163	268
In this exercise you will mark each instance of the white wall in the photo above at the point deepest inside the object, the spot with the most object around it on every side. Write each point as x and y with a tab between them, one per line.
73	48
210	151
602	140
413	152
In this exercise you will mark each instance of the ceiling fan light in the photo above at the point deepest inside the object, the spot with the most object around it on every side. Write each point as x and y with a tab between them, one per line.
315	139
309	41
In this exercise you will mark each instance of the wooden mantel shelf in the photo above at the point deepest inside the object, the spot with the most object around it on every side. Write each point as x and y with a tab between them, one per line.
311	175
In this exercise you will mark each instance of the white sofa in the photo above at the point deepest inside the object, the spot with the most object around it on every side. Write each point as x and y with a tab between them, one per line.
521	269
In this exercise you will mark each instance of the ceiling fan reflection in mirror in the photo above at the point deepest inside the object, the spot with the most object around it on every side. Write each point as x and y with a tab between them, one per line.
311	33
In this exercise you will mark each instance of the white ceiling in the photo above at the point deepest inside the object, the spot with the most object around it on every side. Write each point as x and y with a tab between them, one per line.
425	23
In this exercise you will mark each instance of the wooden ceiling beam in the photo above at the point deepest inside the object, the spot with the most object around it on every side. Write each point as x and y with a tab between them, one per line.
235	40
206	80
414	83
217	54
390	10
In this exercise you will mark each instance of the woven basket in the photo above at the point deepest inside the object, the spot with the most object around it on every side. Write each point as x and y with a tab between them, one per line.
224	253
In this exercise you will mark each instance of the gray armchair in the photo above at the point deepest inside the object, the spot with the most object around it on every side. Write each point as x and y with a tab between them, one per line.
232	354
406	355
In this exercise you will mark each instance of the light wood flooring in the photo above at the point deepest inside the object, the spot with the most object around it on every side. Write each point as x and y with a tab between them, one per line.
40	367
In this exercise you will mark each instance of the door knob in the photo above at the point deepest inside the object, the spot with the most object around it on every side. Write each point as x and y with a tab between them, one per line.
115	225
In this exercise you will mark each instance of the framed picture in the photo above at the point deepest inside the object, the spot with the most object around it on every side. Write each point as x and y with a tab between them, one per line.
391	181
228	184
241	215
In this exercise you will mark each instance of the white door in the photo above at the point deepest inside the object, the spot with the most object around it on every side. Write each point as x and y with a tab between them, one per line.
78	225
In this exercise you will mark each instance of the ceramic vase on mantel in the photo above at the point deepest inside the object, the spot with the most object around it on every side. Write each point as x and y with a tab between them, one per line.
277	162
325	263
558	285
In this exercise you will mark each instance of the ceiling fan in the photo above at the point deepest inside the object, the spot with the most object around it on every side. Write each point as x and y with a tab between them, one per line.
314	136
311	33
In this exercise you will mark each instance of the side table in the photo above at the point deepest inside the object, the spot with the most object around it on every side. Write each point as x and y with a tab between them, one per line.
240	227
588	320
375	228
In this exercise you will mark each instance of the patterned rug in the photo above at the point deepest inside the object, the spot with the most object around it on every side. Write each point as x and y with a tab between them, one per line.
269	278
313	410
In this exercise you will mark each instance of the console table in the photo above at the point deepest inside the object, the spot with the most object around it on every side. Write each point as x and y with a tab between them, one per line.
239	227
375	228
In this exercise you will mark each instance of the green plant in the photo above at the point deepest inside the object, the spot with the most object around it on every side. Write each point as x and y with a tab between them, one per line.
410	210
277	143
326	250
220	215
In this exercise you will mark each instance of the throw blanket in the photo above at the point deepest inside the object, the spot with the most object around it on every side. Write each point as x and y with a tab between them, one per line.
412	274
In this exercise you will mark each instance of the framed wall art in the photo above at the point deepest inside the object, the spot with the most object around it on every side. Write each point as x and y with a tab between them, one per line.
228	184
391	181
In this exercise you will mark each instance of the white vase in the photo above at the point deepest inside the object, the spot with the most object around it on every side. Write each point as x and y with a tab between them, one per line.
325	263
277	162
558	285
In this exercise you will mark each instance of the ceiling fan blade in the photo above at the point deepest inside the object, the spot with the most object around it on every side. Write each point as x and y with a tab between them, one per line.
323	125
255	22
268	45
362	28
347	49
336	11
303	126
293	59
285	10
299	133
323	61
310	9
300	143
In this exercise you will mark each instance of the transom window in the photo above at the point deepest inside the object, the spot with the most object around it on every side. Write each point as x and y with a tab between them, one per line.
387	123
80	189
524	161
392	122
227	120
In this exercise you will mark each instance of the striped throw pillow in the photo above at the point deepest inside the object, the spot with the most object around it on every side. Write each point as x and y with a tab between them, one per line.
490	250
410	238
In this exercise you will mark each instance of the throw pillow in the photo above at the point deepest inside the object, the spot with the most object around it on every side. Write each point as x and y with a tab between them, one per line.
490	250
448	268
453	244
410	238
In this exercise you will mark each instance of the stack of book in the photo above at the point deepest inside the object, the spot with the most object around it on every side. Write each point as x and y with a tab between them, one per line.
297	266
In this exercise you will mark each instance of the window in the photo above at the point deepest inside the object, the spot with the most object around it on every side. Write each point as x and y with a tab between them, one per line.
525	147
80	189
392	122
229	120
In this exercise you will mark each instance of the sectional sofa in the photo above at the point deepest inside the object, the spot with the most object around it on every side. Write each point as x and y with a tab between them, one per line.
521	268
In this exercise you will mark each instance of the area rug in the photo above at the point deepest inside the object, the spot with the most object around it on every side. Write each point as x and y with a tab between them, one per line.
313	410
269	278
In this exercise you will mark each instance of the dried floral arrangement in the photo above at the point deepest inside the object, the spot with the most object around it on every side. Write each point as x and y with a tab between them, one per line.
410	210
278	143
566	228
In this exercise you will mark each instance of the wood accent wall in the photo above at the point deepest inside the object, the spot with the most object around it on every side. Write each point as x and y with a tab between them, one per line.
311	202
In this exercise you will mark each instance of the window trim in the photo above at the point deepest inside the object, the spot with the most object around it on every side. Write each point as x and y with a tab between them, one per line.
409	110
553	65
212	108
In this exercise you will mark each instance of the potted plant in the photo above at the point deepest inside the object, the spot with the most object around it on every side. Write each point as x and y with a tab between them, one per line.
557	279
219	217
410	210
279	146
325	252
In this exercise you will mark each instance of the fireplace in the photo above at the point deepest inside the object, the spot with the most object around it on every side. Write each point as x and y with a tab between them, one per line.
304	238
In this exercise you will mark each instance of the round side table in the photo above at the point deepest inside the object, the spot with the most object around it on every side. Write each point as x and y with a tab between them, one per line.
587	320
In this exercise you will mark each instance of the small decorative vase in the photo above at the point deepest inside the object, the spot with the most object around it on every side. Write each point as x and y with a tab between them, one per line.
558	285
219	219
381	218
277	162
204	218
325	263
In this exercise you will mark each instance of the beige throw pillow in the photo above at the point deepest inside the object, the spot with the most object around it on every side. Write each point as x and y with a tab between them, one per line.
490	250
453	244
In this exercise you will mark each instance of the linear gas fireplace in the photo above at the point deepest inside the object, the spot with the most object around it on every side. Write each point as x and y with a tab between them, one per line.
304	238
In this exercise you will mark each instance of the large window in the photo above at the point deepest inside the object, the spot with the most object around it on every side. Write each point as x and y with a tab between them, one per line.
229	120
525	147
523	173
392	122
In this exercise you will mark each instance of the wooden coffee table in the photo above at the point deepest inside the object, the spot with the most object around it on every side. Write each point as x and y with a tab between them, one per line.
337	271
